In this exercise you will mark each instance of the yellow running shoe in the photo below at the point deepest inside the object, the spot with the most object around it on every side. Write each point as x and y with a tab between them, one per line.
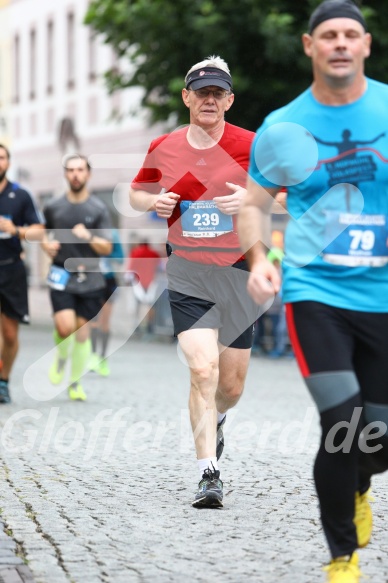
103	368
343	570
363	518
57	371
76	392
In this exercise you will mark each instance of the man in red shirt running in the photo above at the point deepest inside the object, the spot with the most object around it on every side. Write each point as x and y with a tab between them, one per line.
194	178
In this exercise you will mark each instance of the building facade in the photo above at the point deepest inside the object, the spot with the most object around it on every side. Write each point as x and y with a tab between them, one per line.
53	101
5	72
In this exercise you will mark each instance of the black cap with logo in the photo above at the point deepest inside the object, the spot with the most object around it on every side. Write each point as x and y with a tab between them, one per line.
208	76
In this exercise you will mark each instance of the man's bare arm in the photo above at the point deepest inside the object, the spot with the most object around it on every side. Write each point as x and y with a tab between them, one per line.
163	204
142	200
253	217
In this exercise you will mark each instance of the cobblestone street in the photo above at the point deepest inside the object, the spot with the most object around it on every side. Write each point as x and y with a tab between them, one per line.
100	492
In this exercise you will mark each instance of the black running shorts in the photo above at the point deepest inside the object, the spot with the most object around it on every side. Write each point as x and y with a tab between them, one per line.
84	305
13	292
110	288
328	339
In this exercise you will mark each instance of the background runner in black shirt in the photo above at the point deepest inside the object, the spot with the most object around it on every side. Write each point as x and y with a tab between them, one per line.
78	232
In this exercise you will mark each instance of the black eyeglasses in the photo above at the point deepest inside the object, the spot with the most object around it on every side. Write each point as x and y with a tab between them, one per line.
203	93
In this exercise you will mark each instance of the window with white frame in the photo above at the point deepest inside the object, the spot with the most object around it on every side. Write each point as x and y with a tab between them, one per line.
32	63
16	69
70	50
50	57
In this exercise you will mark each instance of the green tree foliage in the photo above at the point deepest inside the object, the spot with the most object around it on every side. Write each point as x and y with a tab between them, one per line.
260	40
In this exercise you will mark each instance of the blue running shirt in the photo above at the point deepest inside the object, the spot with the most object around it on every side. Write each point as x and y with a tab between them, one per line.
333	161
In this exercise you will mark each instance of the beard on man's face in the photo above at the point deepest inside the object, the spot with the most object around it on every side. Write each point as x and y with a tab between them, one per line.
2	175
77	187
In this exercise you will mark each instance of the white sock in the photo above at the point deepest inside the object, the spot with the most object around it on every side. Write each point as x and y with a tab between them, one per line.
207	462
220	417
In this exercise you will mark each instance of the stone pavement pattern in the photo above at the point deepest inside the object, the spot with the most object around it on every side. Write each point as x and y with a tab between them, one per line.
87	503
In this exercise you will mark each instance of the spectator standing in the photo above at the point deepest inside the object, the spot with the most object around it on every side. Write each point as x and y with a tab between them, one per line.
141	272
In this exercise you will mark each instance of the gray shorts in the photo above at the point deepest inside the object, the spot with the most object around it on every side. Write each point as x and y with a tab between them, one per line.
209	296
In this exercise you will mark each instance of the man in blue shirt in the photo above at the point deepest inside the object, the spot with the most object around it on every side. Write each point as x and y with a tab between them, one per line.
329	148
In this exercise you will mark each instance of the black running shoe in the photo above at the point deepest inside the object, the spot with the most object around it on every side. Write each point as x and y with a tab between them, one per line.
4	392
220	438
209	493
